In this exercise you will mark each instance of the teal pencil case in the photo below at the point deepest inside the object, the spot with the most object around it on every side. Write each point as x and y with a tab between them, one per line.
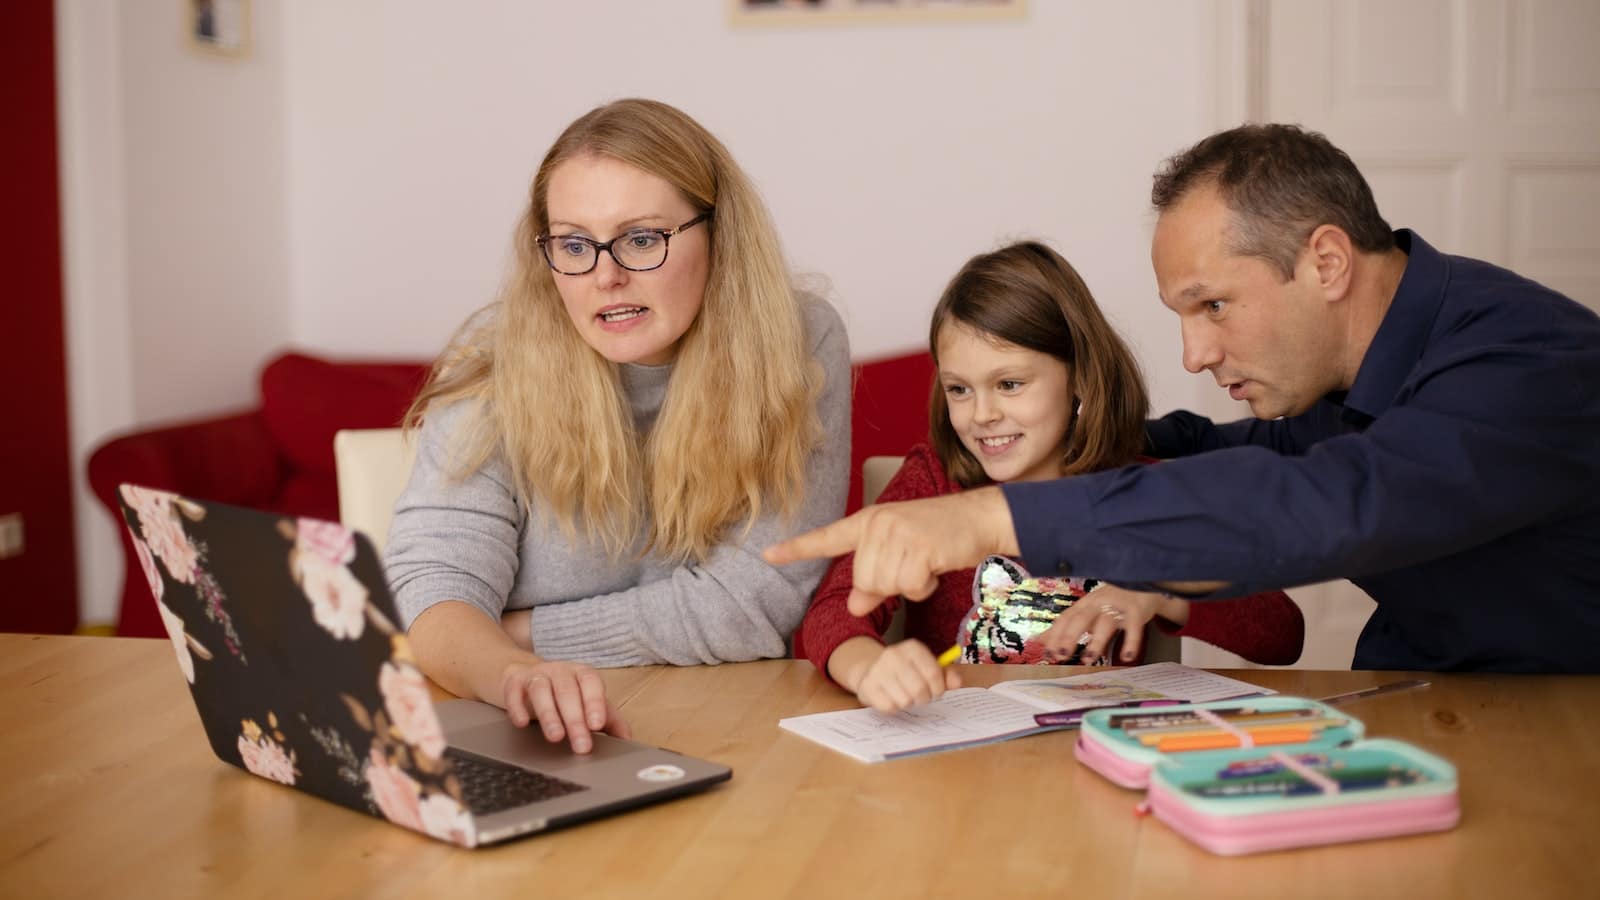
1244	776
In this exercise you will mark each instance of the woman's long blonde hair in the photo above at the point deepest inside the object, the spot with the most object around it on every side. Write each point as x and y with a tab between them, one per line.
739	419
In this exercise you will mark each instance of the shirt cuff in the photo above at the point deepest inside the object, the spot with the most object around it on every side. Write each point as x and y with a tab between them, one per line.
591	631
1051	519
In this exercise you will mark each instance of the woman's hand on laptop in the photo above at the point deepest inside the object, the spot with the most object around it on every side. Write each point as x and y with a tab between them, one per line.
567	699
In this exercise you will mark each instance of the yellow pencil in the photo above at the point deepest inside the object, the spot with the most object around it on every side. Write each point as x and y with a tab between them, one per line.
950	656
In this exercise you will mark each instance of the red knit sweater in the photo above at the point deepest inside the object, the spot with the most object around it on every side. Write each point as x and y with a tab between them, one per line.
1264	628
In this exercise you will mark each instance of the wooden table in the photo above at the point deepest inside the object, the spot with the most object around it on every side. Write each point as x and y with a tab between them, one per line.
108	788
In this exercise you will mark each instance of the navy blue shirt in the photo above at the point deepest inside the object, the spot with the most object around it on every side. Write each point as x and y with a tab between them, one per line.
1457	483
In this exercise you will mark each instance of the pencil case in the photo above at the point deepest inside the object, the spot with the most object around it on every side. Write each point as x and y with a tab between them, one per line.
1293	773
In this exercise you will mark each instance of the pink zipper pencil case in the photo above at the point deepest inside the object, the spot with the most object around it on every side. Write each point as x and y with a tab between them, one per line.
1248	776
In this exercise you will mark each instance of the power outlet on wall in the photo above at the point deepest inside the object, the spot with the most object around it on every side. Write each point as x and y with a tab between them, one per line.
10	535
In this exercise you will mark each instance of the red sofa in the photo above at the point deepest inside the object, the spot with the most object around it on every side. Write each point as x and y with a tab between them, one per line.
279	456
889	411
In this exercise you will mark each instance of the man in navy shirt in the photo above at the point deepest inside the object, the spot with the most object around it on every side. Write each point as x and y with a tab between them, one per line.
1427	426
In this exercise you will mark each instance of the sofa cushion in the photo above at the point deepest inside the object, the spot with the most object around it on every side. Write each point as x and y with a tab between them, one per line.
314	495
305	400
889	412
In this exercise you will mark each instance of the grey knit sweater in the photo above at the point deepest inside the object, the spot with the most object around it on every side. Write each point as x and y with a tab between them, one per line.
470	540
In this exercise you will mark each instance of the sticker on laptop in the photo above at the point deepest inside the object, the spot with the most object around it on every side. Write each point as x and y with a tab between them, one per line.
660	772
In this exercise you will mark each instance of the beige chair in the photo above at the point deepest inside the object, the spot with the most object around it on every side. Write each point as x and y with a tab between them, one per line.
372	466
875	473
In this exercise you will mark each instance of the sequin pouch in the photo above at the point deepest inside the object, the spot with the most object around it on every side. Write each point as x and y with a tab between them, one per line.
1011	611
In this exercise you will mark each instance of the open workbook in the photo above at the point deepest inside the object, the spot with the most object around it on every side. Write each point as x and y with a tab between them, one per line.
969	716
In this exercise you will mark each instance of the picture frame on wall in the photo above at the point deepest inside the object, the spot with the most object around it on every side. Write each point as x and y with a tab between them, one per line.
825	12
218	27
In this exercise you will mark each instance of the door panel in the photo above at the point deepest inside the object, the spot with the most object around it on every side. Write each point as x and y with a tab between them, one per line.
1477	123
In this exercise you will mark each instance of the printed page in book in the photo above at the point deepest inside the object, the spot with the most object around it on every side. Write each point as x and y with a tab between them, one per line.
1157	681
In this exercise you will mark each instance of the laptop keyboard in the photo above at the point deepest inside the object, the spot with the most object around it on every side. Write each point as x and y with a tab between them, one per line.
489	786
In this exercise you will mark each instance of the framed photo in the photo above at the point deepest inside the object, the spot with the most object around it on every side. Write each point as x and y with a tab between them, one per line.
218	27
820	12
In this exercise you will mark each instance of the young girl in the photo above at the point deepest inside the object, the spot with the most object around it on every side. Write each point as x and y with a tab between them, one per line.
1033	383
602	453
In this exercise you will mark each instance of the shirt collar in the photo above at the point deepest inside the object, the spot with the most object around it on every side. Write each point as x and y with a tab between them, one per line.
1403	334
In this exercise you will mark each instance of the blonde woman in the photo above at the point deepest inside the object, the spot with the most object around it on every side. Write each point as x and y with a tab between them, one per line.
604	451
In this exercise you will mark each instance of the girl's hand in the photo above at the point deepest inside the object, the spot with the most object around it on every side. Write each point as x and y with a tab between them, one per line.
905	675
567	699
1094	621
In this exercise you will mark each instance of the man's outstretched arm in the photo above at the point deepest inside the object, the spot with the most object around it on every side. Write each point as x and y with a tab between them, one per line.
902	548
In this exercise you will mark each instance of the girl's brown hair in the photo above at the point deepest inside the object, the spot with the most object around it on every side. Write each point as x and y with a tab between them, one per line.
1026	294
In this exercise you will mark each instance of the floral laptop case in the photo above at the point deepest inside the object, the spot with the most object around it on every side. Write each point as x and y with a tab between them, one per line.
284	629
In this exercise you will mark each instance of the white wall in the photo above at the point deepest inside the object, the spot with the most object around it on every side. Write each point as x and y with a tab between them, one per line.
94	259
888	154
207	236
350	187
175	234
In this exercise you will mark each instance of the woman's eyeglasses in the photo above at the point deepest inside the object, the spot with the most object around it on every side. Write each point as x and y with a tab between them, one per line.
639	250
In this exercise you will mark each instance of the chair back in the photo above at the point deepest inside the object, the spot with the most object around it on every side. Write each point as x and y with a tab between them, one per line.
372	465
875	473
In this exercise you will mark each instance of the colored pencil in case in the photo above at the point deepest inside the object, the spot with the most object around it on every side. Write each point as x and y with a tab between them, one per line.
1222	740
1155	721
1237	722
1295	789
1351	780
1075	716
1331	772
1134	720
1150	736
1178	720
1248	768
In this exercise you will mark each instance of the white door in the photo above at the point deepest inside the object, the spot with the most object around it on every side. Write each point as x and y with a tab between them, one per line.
1477	122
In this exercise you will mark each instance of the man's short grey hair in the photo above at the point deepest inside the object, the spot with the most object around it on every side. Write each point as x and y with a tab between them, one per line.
1282	182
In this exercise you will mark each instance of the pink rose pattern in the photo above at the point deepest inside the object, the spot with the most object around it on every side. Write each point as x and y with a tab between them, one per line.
158	523
397	795
407	779
410	708
328	540
158	585
402	775
264	754
403	801
320	562
160	535
443	818
180	640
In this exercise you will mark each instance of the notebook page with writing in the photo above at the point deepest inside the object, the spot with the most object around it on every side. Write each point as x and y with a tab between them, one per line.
970	716
960	718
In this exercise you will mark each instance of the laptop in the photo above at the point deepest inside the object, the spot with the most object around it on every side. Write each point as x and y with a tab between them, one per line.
288	637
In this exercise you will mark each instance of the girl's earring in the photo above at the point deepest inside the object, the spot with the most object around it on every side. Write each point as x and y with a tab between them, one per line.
1078	410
